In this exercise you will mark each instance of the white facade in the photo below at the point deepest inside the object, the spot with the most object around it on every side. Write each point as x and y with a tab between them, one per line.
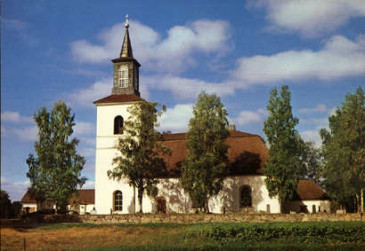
311	206
32	207
82	208
106	151
168	189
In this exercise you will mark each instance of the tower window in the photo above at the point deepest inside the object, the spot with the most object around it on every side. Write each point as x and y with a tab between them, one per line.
118	201
118	125
245	197
123	76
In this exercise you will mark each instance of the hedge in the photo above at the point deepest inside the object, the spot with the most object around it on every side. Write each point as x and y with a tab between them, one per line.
316	232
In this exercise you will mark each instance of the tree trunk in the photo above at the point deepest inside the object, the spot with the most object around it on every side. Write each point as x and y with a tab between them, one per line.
362	200
140	197
281	206
206	206
358	204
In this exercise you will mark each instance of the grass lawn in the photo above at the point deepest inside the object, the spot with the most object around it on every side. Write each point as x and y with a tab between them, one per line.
249	236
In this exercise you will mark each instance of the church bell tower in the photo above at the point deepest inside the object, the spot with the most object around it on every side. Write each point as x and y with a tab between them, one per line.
115	196
126	68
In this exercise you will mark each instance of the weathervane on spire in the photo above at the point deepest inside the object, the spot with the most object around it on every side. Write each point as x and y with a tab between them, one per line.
126	21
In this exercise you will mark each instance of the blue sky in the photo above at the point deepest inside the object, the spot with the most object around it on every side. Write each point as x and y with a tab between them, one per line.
61	49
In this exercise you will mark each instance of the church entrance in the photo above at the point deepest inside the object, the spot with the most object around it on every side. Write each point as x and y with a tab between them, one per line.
161	205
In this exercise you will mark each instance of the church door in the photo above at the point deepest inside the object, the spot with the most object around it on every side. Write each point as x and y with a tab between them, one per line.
161	205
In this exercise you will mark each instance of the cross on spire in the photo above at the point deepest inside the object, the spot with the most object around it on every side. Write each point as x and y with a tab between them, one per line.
126	21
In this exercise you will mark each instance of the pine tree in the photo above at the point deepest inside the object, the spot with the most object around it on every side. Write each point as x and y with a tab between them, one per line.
344	150
206	165
141	152
283	167
55	171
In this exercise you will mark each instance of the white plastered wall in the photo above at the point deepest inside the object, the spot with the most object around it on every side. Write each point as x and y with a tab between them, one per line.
32	207
313	206
106	151
229	196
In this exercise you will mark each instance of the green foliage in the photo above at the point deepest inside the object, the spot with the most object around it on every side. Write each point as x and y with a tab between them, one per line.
284	166
311	232
344	149
55	171
5	204
140	159
312	160
206	165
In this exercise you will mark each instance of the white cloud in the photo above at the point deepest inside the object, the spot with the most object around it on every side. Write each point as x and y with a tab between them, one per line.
249	117
86	96
88	141
173	53
14	117
89	166
84	128
176	119
89	184
3	131
319	108
312	135
99	89
20	28
87	152
26	134
16	189
310	17
340	57
333	111
187	88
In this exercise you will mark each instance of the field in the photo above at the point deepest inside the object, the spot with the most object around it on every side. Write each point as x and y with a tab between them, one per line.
287	236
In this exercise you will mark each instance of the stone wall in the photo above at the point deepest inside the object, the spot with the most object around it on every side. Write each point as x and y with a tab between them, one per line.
196	218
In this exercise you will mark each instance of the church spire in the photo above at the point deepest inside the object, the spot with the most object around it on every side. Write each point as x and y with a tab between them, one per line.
126	69
126	51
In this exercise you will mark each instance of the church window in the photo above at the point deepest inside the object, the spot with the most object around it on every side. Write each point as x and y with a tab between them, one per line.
245	197
118	125
118	201
123	76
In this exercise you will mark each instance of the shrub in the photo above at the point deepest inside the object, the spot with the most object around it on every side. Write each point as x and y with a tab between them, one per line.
311	232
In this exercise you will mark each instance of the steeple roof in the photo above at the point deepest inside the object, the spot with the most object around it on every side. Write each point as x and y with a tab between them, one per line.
126	51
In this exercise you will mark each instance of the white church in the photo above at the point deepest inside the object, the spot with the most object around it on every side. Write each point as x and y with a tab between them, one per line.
244	188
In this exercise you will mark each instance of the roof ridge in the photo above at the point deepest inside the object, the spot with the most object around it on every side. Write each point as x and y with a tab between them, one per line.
236	134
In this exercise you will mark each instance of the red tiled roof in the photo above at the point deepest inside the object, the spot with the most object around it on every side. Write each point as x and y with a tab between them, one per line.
118	98
27	198
82	196
309	190
247	153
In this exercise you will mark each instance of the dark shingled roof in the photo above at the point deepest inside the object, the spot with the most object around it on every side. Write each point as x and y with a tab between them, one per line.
247	153
118	99
309	190
82	196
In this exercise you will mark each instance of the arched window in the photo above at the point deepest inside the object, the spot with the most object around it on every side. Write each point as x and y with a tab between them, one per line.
245	197
118	125
118	201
